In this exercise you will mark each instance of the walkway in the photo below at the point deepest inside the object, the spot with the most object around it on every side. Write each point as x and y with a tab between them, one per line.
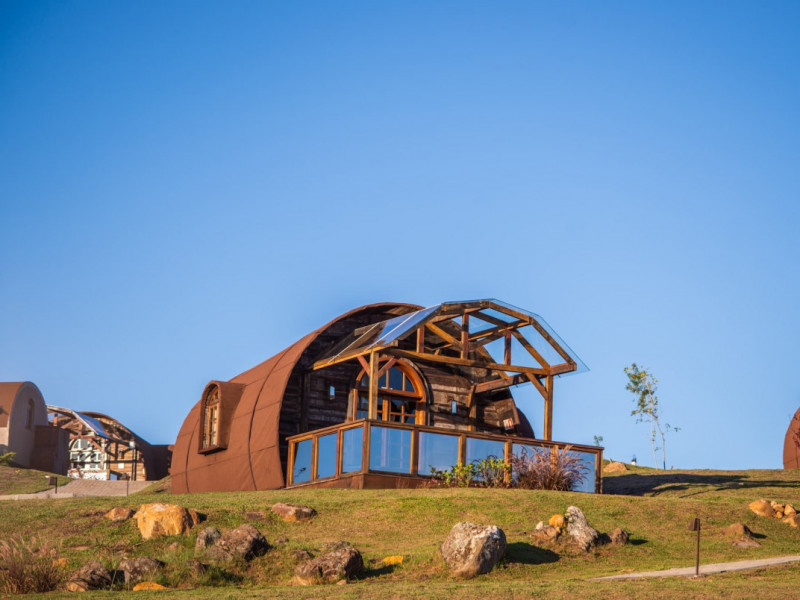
84	487
706	569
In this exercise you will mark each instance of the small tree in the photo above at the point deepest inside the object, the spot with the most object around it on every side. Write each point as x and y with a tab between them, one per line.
644	386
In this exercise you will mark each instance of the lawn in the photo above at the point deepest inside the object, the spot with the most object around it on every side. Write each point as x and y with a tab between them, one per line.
413	523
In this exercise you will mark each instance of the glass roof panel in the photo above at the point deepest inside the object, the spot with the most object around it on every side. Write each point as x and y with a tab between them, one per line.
93	424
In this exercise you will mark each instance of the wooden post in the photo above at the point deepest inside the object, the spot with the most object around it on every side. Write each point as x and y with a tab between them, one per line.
548	409
465	335
473	409
507	353
421	339
373	385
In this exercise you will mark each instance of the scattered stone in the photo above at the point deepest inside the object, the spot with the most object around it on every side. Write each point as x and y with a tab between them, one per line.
738	530
578	528
746	543
540	524
245	542
135	569
546	534
471	549
615	467
207	537
118	514
392	560
148	585
91	576
557	521
789	510
165	519
196	567
293	513
619	537
330	567
777	507
778	514
302	555
762	508
794	520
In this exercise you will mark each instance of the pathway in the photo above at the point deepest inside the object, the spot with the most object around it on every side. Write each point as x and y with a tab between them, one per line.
84	487
706	569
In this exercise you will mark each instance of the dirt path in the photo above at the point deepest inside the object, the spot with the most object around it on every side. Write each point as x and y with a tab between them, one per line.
85	487
706	569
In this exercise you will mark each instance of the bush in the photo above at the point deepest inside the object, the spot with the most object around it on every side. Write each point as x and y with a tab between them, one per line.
28	567
488	472
560	470
7	458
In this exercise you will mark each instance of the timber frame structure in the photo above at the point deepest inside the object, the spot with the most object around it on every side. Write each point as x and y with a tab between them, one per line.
377	398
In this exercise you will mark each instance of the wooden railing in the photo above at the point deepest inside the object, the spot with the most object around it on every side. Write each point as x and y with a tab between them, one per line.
406	450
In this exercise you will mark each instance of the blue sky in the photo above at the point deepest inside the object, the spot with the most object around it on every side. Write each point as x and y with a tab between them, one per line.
187	188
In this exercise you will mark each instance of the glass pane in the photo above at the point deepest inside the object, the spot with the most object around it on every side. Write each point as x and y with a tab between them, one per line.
395	379
390	450
408	386
352	444
437	451
478	449
586	464
362	410
326	456
588	474
302	462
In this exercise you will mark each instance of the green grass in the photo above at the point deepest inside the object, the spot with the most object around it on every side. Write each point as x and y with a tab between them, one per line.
415	522
15	480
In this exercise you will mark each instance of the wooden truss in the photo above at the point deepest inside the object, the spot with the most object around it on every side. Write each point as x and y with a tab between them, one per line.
442	335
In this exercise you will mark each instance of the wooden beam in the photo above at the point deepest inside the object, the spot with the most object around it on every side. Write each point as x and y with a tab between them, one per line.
444	335
531	350
373	385
548	409
473	409
364	363
420	339
463	362
465	335
386	366
499	384
507	349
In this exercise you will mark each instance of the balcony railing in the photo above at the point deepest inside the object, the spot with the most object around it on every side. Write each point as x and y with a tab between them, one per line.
404	450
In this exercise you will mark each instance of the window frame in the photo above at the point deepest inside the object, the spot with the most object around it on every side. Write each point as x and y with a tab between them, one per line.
387	394
211	421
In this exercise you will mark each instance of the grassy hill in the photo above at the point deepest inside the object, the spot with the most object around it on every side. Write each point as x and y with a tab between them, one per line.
14	480
415	522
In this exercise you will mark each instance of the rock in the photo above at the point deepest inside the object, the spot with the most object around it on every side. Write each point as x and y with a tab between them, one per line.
282	540
746	543
302	555
196	567
207	537
330	567
148	585
392	560
91	576
776	506
244	542
789	510
546	534
293	513
539	525
794	520
738	530
136	568
117	514
762	508
578	528
471	549
778	514
619	537
615	467
165	519
557	521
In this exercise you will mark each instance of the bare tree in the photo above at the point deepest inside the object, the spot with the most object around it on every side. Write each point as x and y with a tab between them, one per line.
644	386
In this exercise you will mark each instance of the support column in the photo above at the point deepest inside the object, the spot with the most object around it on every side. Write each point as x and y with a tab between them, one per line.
374	361
548	408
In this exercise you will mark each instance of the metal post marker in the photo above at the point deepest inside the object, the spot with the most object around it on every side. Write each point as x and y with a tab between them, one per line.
695	526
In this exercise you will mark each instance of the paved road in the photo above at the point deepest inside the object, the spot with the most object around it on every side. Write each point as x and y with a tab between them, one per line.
706	569
84	487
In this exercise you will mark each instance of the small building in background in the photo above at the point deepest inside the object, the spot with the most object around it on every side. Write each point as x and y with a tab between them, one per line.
25	430
100	447
791	443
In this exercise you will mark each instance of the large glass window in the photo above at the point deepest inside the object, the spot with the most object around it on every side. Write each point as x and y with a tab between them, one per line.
401	398
301	470
437	451
326	456
478	449
390	450
352	445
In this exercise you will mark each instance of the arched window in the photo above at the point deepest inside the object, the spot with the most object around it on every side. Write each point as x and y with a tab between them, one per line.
401	395
211	418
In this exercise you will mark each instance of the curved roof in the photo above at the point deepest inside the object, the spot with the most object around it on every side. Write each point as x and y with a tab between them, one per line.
9	390
791	450
251	460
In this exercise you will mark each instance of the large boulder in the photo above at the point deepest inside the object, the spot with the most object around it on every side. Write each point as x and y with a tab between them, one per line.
165	519
293	512
578	528
557	521
91	576
471	549
619	536
762	508
117	514
794	520
135	569
337	565
615	467
738	530
206	538
245	542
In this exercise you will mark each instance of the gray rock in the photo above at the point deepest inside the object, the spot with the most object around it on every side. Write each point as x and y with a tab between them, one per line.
293	512
91	576
619	537
196	567
245	542
208	537
471	549
578	528
135	569
546	534
330	567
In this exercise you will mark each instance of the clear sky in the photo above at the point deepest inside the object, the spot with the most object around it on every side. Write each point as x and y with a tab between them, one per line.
186	188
